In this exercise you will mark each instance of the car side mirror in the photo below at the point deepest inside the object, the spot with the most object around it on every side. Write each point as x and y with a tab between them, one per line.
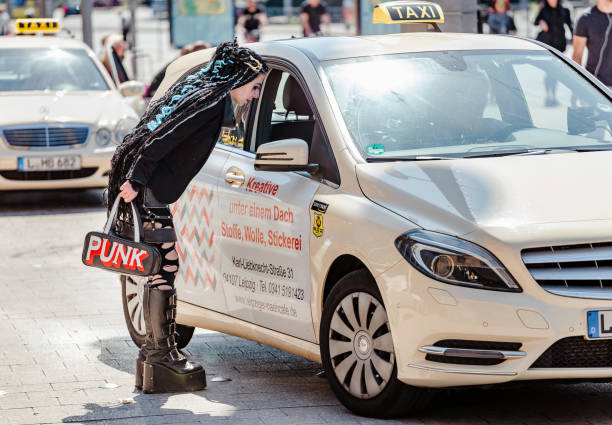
131	88
581	119
284	155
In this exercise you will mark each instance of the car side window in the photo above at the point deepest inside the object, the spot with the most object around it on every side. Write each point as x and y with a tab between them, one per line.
286	113
233	135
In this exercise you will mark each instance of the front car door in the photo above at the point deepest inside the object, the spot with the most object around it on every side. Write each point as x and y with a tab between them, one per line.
266	221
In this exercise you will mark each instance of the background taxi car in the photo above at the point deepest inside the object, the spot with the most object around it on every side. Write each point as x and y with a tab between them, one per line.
62	115
410	211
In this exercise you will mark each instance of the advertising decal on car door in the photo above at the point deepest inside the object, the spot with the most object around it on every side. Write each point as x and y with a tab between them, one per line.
196	221
265	230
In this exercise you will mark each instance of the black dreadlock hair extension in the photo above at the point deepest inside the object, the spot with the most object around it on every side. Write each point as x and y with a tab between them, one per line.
231	66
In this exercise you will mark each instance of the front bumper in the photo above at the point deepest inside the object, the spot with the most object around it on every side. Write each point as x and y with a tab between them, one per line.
95	165
423	311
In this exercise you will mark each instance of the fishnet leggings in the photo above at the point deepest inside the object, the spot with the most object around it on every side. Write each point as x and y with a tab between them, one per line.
164	279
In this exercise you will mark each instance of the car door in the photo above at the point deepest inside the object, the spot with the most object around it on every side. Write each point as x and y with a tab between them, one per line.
265	218
196	219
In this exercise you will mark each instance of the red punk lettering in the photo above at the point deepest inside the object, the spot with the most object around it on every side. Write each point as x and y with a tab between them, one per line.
118	255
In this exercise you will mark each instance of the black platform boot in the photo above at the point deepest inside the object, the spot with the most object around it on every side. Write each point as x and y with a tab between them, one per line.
165	368
142	356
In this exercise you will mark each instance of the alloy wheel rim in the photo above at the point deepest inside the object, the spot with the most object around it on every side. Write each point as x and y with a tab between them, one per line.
360	345
134	289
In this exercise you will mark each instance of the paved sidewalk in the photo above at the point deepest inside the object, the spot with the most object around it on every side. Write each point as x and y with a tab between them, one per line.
63	338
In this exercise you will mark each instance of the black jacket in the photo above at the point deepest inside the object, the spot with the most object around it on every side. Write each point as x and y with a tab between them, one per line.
555	19
171	160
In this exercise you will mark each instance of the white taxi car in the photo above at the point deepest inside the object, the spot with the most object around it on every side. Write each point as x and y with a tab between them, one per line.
62	116
411	211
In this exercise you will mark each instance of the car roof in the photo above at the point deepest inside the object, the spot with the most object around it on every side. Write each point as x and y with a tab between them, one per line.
328	48
35	41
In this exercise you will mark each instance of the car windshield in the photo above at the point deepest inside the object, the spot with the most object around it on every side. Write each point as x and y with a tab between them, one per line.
51	69
467	103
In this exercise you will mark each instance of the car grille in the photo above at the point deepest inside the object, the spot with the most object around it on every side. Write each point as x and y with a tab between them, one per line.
46	136
575	270
576	351
49	175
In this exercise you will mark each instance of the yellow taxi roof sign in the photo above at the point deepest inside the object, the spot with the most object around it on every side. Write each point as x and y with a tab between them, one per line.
37	26
407	12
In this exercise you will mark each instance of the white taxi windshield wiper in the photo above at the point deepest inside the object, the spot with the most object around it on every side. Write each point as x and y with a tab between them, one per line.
407	158
508	152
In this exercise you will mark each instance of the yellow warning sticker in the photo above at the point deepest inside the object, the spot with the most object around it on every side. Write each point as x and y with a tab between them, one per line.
317	224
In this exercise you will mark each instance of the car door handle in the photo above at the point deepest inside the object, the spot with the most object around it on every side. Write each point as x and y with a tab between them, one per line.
234	177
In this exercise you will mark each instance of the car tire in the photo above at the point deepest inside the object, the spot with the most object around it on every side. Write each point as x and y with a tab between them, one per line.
373	390
131	295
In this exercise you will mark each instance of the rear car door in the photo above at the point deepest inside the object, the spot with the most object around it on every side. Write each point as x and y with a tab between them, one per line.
196	221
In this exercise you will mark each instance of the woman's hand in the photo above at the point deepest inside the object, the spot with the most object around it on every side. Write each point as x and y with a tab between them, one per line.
543	25
127	191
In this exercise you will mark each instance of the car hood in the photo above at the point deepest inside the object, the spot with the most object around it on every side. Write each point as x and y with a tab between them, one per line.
58	107
503	195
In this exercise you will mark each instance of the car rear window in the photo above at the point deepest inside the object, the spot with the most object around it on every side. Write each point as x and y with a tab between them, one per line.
52	69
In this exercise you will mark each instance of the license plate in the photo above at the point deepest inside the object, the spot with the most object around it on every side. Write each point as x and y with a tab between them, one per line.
599	323
49	163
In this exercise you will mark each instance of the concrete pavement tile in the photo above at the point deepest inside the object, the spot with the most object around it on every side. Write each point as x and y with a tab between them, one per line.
76	385
14	401
32	378
17	388
43	398
20	416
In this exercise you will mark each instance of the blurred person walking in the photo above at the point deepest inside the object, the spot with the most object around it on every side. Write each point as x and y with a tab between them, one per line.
5	20
552	19
348	13
252	20
593	31
126	22
313	14
499	20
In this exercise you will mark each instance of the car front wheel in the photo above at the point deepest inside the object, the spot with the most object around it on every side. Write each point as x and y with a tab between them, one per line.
357	351
131	294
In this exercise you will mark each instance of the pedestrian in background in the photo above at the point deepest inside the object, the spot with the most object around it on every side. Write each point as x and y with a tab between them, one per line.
252	20
113	52
552	19
5	20
593	30
126	22
348	13
313	14
499	20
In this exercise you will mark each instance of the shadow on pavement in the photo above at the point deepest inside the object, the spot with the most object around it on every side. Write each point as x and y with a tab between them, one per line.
288	382
139	408
40	202
144	409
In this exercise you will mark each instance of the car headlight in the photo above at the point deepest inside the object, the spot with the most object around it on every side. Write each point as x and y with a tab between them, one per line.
103	136
454	261
123	127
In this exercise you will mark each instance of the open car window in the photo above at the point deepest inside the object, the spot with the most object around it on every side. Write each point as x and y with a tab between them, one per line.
286	113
